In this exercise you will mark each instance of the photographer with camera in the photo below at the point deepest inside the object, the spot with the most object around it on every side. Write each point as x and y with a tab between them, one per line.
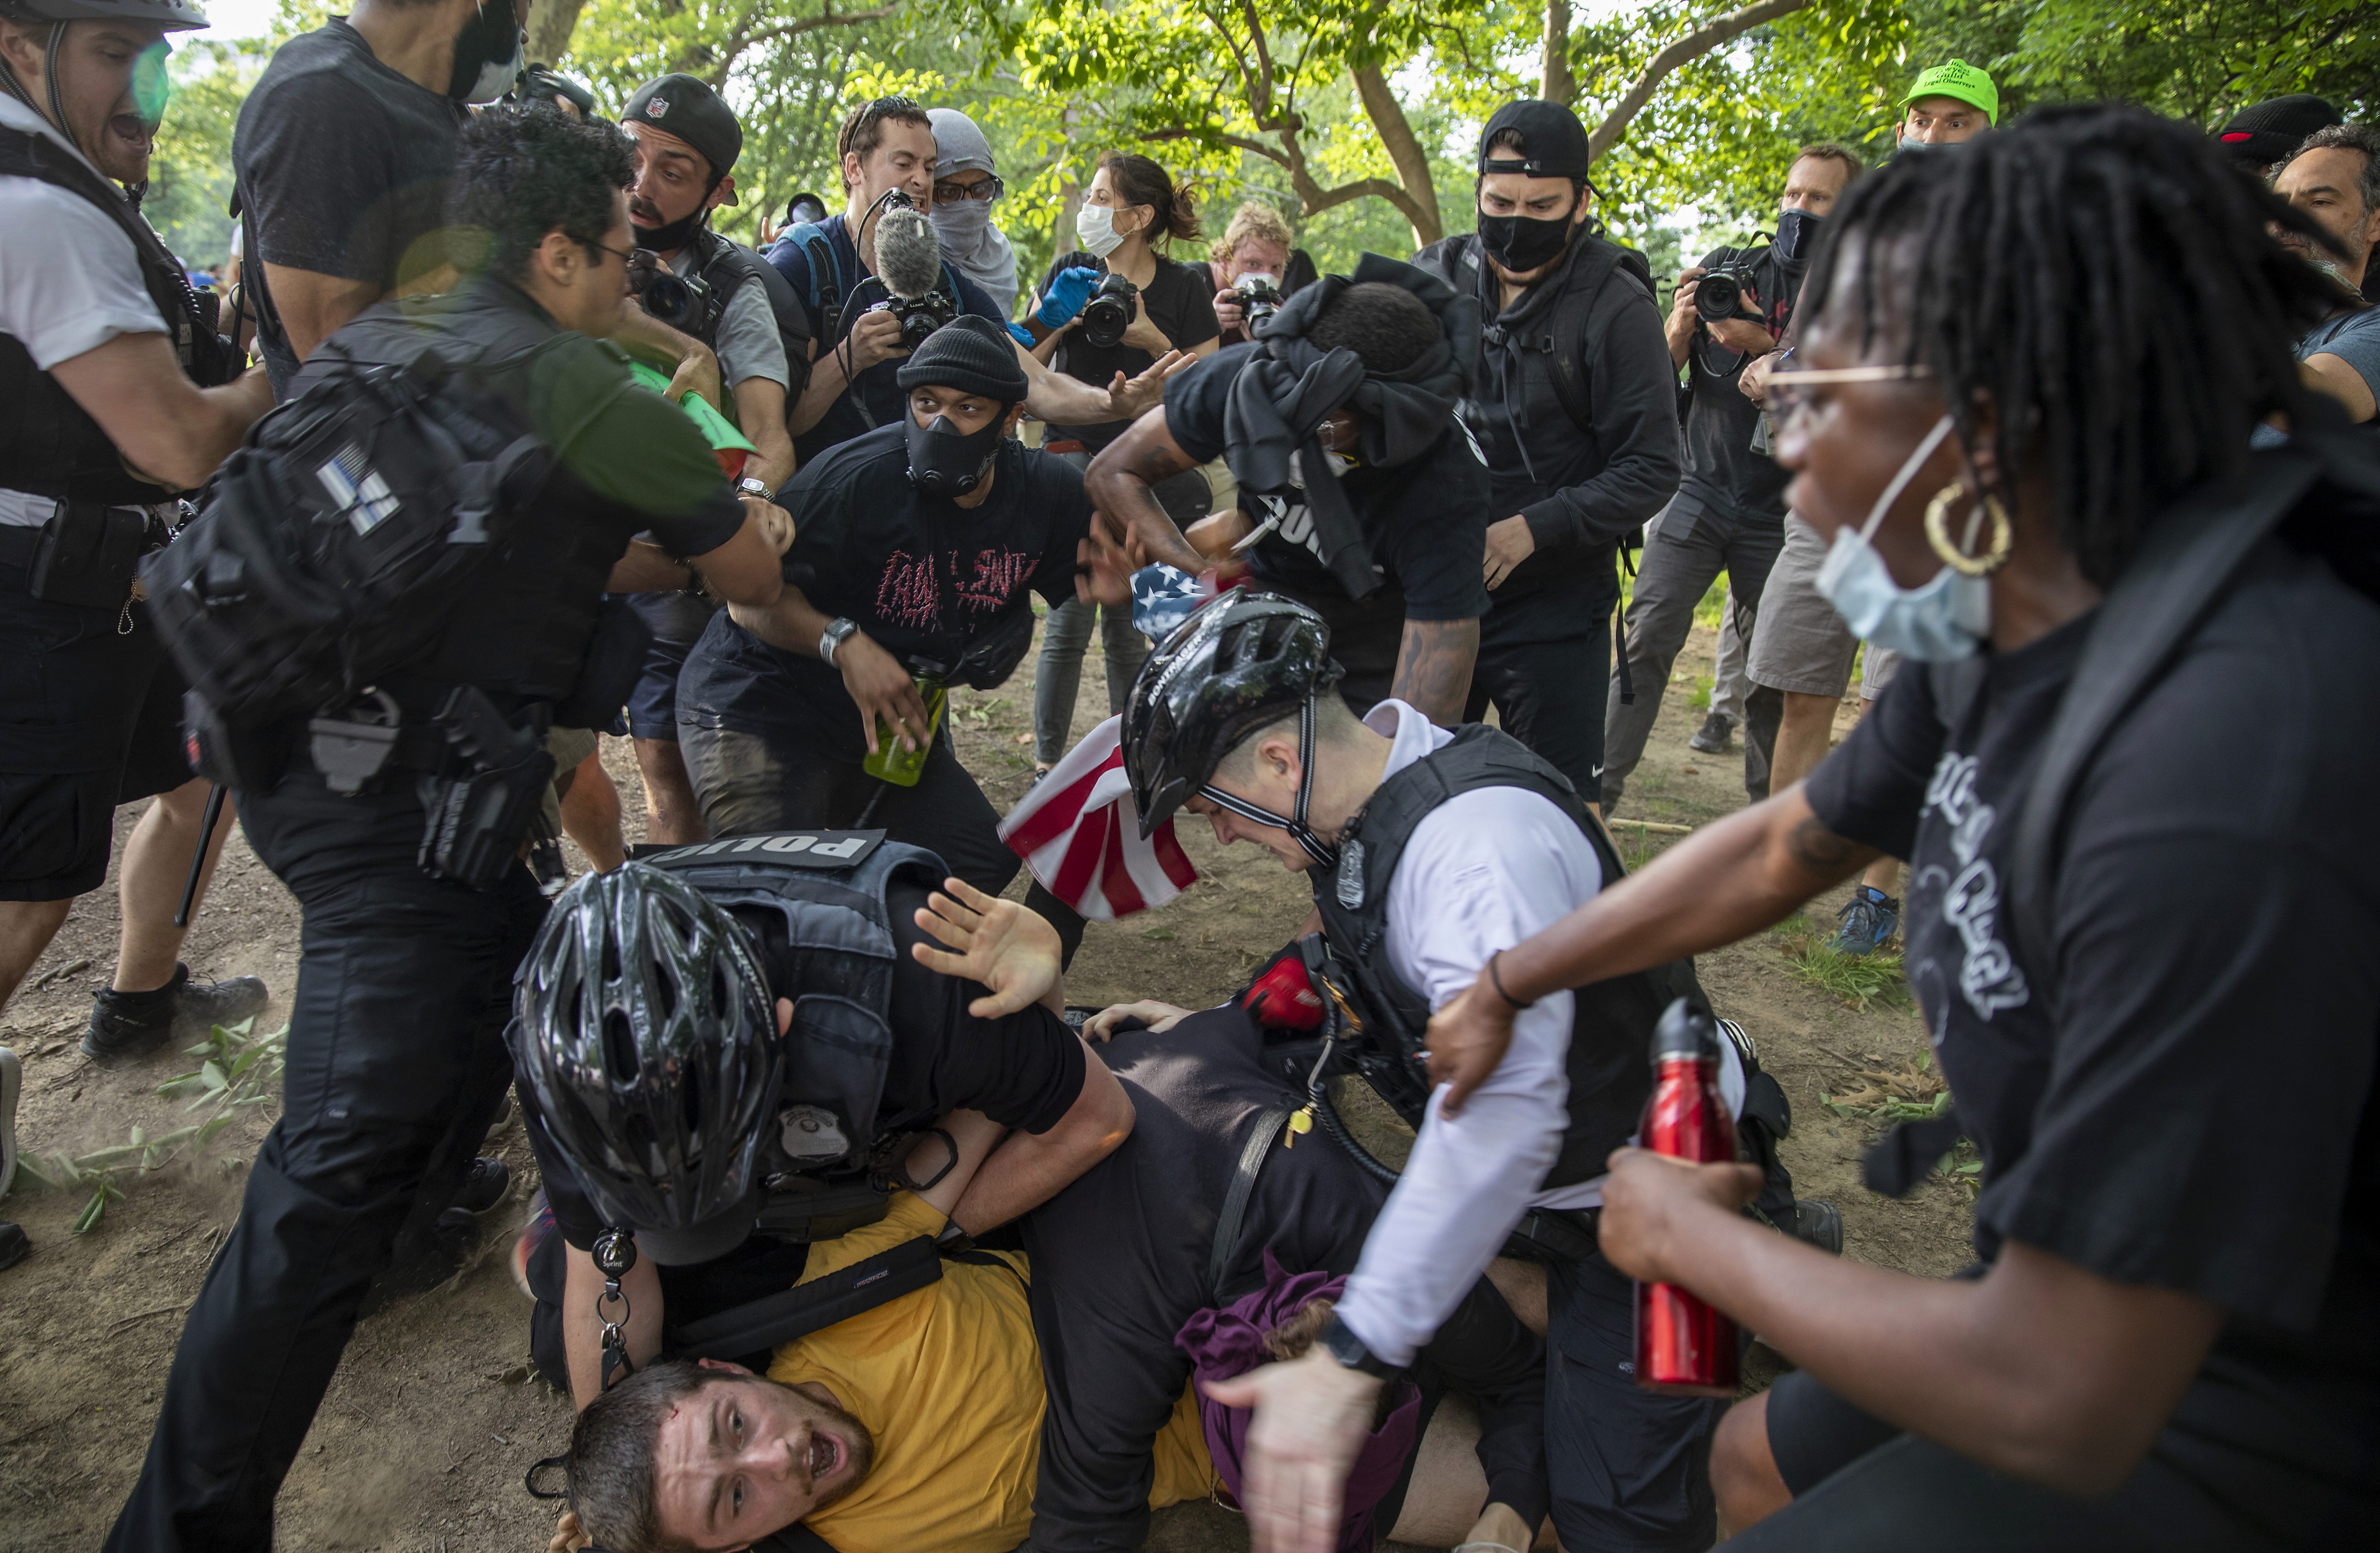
118	393
1251	267
728	297
1113	306
917	551
1729	514
1572	404
396	816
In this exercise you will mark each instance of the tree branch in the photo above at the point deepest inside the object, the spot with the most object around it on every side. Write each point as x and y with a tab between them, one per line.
1558	85
1700	41
1405	155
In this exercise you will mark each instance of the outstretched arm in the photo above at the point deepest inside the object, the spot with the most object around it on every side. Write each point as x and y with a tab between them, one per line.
1118	484
1434	668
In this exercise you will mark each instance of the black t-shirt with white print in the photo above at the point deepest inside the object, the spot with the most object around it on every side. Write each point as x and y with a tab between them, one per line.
2185	1099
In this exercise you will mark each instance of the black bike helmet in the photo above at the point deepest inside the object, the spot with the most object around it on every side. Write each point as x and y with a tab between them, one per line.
645	1030
1242	662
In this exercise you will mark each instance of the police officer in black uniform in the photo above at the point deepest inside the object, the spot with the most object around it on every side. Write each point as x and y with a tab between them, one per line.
830	941
727	296
396	1064
118	394
1573	403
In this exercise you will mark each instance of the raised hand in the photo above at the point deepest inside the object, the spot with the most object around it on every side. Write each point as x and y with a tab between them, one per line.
999	943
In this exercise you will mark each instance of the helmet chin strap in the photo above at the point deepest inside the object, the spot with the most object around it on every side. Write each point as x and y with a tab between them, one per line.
1315	847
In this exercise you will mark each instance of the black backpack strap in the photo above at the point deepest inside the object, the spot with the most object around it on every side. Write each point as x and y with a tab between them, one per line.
2165	592
812	1307
27	155
1228	1228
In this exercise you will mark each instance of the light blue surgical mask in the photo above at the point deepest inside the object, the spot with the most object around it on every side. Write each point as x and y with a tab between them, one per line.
1948	617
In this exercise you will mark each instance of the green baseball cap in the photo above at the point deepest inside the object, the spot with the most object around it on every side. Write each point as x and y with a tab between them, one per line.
1962	80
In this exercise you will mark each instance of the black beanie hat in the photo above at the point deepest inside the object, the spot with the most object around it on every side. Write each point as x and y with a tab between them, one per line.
2270	131
970	354
687	107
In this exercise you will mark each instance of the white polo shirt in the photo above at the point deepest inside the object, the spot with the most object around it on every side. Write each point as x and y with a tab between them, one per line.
69	280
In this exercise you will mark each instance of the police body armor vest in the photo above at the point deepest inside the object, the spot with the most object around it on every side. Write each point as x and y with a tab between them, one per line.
49	444
832	889
1609	1067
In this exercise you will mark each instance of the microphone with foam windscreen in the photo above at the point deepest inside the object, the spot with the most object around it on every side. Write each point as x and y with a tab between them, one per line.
909	263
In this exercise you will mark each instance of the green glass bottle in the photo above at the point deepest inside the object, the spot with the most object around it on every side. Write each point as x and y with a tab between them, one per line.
903	767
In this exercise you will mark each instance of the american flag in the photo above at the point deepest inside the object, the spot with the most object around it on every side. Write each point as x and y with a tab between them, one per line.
1079	832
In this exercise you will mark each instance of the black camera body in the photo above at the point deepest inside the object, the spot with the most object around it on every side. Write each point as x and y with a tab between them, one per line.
677	300
1108	313
1260	299
1719	295
920	316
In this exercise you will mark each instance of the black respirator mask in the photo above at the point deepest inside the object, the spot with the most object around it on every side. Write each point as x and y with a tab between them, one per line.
1522	243
1797	236
674	236
946	462
488	53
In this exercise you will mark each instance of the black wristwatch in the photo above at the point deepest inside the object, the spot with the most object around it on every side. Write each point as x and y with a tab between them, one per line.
1348	1349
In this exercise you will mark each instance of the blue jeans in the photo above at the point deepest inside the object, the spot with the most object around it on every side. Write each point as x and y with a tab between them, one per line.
1059	679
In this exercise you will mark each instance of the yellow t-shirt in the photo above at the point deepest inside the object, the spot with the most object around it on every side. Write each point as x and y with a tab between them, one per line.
948	1380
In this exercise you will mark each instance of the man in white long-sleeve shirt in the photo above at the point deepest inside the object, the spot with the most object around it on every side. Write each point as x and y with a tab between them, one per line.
1431	851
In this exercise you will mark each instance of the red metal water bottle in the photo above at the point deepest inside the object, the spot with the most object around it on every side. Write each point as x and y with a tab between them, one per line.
1683	1346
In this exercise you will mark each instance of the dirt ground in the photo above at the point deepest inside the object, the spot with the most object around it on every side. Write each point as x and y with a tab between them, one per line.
434	1417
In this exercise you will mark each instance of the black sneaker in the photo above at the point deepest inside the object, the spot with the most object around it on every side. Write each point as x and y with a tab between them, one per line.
1817	1223
1712	736
454	1240
14	1246
484	1187
12	1079
132	1025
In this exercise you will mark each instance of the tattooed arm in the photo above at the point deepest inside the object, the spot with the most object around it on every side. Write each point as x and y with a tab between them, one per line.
1118	484
1434	668
1727	881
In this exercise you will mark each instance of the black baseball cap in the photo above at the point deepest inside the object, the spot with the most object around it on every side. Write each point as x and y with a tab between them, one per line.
2269	131
1553	143
687	107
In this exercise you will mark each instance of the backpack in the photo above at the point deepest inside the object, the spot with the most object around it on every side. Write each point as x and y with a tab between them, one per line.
830	288
724	271
331	549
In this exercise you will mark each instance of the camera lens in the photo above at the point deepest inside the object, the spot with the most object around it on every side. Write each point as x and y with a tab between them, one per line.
670	299
1718	295
1108	313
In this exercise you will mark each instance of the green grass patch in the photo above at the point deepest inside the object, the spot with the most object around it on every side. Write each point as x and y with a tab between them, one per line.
1861	981
1700	700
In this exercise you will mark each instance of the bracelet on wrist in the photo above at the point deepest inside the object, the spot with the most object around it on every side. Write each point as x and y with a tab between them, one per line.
1496	980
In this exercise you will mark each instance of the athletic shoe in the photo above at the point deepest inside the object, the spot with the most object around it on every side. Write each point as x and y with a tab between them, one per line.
12	1079
14	1246
535	1232
1712	736
1817	1223
545	862
453	1241
1870	919
131	1024
484	1185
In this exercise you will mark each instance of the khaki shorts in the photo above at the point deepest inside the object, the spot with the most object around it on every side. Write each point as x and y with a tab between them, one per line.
1801	644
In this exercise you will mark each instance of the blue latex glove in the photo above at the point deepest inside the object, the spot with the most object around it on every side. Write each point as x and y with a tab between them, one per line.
1017	332
1066	296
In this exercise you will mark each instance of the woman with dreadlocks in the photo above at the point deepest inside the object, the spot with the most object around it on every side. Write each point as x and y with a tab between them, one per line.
2029	369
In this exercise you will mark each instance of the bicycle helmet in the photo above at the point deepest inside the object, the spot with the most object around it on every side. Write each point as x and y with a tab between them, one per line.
1242	662
644	1031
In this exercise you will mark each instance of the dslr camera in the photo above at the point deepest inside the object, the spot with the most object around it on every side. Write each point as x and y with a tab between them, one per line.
1718	295
1108	313
918	316
677	300
1260	299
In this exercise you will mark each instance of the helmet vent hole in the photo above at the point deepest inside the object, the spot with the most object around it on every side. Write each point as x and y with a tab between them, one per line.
666	994
611	958
721	1004
689	1095
620	1048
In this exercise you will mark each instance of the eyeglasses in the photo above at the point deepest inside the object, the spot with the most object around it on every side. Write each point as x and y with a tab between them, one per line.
1787	388
627	257
991	189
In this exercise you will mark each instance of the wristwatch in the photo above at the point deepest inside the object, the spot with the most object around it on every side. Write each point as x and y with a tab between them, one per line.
1348	1349
750	486
837	632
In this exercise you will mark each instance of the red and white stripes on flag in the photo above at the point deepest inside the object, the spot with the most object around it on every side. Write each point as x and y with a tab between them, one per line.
1079	832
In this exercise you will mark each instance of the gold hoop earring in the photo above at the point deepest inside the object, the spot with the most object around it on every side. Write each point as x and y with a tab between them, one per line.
1937	532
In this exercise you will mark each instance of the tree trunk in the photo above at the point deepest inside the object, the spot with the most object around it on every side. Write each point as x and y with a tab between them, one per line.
1558	84
1694	45
549	25
1405	154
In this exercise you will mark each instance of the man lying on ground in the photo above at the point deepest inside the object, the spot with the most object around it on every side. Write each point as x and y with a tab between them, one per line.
926	1423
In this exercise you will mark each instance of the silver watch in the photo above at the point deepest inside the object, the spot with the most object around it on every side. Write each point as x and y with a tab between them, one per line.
752	486
837	632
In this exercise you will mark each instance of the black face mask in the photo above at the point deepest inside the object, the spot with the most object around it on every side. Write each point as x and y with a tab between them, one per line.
1797	236
946	462
487	54
670	238
1522	243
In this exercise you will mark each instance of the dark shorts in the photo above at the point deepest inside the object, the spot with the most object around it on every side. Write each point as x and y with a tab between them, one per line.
677	621
89	718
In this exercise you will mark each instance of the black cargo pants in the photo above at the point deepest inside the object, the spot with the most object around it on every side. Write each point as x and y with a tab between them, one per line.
396	1068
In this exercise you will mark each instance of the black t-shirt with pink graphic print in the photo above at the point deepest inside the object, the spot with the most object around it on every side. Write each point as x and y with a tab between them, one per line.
924	578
